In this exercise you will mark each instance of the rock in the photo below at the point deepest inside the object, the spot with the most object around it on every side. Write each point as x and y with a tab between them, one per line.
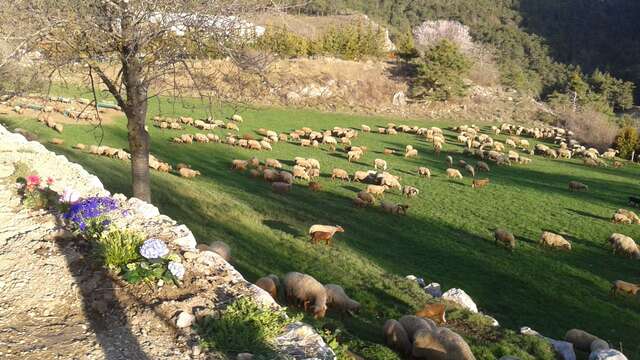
143	208
494	322
411	277
184	238
262	297
6	170
184	320
315	90
293	97
563	349
461	298
244	356
300	341
399	99
599	344
433	289
609	354
525	330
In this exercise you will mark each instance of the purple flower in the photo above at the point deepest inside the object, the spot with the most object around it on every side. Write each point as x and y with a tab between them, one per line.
176	269
89	209
154	249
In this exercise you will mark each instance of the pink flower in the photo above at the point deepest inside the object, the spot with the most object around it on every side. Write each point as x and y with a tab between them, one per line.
33	180
49	181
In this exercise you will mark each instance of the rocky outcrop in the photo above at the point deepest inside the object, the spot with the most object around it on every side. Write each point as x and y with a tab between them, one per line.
55	302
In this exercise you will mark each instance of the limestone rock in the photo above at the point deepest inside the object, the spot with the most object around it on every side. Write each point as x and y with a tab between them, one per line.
609	354
184	320
461	298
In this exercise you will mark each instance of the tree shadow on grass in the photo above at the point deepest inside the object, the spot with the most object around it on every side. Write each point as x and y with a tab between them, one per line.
584	213
282	226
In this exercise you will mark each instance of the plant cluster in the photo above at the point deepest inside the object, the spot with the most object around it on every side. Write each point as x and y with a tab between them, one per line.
89	217
154	263
36	193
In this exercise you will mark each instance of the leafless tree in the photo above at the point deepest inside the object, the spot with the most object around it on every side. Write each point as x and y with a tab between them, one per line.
134	48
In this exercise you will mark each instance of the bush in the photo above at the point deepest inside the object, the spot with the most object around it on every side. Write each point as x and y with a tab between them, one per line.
117	248
283	43
591	127
350	42
627	141
440	72
244	326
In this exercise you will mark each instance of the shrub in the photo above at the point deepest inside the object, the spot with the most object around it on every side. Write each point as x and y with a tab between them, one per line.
350	42
440	72
244	326
591	127
283	42
627	141
117	248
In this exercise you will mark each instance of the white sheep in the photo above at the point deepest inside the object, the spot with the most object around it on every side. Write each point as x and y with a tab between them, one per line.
379	163
454	174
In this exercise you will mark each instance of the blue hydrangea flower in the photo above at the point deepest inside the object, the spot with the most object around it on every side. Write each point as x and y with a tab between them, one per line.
154	249
176	269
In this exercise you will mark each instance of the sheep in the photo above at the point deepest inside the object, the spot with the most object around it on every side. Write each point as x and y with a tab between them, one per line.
505	237
577	186
623	216
365	128
423	171
353	155
590	162
470	170
437	148
164	167
188	173
435	312
359	176
398	209
286	177
412	324
304	289
240	165
554	240
270	175
186	138
625	245
376	190
410	191
510	142
449	160
305	142
270	284
340	174
79	146
266	145
625	287
479	183
389	180
454	173
313	163
300	172
338	299
221	248
379	163
324	233
313	173
366	197
315	186
357	202
201	138
254	145
580	339
254	173
440	343
273	163
396	337
281	187
411	153
254	162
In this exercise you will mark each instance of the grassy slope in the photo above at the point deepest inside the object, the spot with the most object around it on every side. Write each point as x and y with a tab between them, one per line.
446	237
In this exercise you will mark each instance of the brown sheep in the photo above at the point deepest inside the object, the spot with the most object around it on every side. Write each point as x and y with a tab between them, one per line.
580	339
339	300
412	324
388	151
270	284
56	141
479	183
577	186
554	240
482	166
340	174
396	337
399	209
366	197
435	312
286	177
222	249
357	202
281	187
423	171
270	175
505	237
304	289
625	287
315	186
324	233
440	343
240	165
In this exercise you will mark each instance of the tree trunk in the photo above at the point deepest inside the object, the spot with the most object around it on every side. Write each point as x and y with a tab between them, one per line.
139	148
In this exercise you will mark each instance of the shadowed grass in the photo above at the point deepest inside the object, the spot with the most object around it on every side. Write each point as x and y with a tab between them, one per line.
447	236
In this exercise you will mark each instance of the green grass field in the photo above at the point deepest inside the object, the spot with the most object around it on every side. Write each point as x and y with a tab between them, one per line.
446	236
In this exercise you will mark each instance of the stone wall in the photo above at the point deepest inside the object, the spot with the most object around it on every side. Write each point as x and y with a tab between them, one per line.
216	281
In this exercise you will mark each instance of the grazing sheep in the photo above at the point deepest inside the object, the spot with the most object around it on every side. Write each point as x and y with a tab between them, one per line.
435	312
462	163
580	339
339	300
270	175
411	153
254	162
437	148
625	245
399	209
304	289
389	180
240	165
340	174
388	151
254	173
623	216
164	167
479	183
379	163
357	202
270	284
412	324
324	233
423	171
577	186
315	186
554	240
300	172
79	146
266	145
56	141
286	177
313	173
410	191
313	163
396	337
440	343
279	187
305	142
505	237
468	168
449	160
366	197
359	176
188	173
376	190
221	248
365	128
354	155
454	173
625	287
